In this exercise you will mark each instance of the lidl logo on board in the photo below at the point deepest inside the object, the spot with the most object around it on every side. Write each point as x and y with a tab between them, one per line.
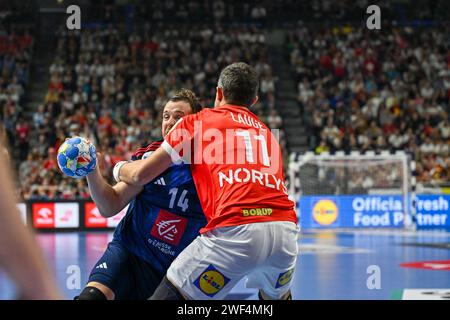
211	281
325	212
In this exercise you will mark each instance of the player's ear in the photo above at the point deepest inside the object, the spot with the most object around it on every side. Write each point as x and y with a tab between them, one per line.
255	100
219	94
219	97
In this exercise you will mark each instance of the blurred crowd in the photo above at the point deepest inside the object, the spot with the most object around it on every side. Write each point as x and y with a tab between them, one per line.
357	177
110	85
16	49
267	12
367	90
357	89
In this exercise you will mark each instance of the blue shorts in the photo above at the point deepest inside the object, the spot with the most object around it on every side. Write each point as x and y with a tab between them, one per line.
129	277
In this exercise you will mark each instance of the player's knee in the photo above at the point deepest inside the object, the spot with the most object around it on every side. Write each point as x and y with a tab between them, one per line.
166	291
264	296
91	293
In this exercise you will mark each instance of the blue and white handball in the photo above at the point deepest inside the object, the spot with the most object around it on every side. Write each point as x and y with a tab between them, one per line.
77	157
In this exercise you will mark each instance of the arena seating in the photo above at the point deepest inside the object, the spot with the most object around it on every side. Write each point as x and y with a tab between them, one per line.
111	86
361	90
356	89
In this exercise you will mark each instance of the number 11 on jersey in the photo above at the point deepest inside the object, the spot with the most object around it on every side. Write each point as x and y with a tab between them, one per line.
249	148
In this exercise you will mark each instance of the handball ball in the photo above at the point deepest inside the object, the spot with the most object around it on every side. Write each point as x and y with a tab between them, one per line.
77	157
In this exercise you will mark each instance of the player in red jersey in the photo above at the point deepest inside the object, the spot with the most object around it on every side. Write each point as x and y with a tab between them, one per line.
237	169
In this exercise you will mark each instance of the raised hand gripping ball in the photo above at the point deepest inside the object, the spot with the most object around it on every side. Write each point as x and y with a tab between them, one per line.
77	157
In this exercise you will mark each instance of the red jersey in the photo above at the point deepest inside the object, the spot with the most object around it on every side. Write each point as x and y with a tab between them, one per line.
236	165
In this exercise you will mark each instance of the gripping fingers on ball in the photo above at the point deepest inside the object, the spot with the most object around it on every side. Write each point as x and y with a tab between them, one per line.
77	157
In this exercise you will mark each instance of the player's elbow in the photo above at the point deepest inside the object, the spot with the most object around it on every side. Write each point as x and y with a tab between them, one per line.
109	208
108	212
108	203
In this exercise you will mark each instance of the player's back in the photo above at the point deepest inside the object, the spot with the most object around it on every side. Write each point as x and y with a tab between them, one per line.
236	154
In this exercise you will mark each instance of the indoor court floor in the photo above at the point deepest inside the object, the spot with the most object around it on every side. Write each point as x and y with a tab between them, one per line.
357	264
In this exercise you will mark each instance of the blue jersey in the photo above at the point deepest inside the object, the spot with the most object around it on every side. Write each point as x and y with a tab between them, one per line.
164	218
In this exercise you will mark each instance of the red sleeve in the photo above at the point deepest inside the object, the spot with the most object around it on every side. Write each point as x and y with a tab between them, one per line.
139	153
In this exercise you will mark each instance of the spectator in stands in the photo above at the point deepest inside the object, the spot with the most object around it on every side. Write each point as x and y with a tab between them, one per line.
398	97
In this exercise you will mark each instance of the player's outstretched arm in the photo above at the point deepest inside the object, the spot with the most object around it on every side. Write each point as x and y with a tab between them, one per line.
19	255
110	200
141	172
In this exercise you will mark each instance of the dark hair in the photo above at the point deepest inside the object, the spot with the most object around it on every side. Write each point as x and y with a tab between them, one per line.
240	84
188	96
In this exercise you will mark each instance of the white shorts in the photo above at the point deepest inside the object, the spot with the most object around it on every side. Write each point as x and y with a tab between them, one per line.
214	262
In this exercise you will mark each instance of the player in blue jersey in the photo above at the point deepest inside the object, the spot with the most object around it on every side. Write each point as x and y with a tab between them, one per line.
163	218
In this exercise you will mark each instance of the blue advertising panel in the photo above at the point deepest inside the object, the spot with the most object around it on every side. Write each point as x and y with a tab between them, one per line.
371	211
433	211
361	211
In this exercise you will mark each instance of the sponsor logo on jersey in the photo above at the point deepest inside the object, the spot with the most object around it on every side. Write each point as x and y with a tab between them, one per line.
244	175
325	212
160	182
256	212
284	278
169	227
211	281
102	266
163	247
